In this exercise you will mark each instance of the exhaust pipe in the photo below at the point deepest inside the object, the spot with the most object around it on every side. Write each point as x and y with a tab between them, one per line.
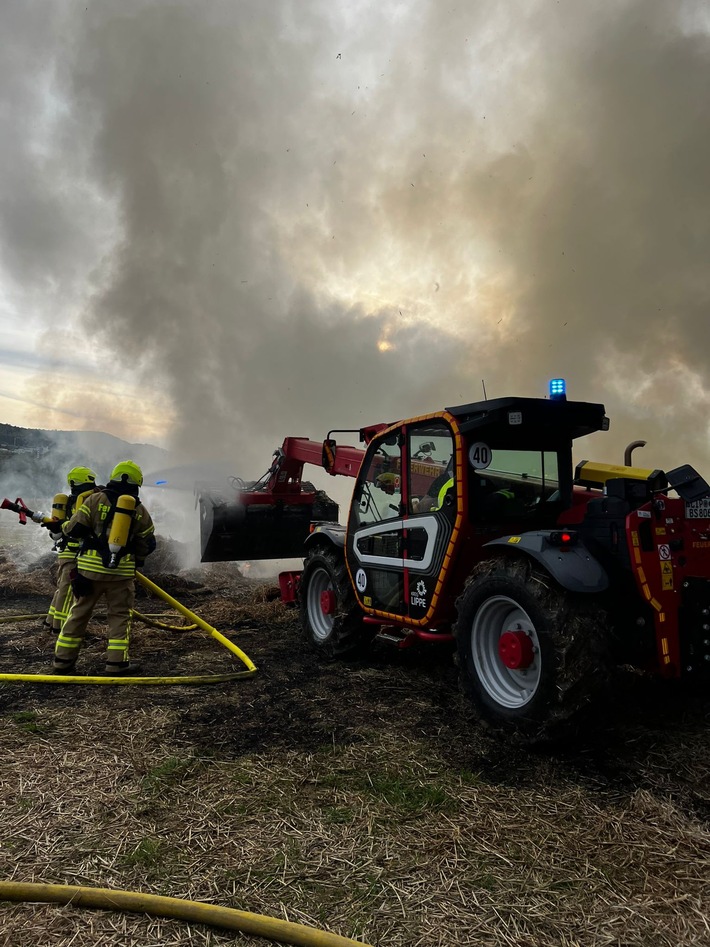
629	451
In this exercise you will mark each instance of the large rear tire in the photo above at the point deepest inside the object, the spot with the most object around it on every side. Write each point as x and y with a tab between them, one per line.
560	640
331	619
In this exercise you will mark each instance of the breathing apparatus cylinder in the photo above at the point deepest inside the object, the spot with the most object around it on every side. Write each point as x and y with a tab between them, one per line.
59	507
80	498
120	527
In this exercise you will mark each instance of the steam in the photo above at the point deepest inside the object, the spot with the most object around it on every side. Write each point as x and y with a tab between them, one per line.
299	217
34	467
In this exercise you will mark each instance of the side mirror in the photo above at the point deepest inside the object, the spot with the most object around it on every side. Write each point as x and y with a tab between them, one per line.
688	483
328	455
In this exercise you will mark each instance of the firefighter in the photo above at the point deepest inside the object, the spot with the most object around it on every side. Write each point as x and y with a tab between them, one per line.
497	502
435	495
106	566
447	485
81	482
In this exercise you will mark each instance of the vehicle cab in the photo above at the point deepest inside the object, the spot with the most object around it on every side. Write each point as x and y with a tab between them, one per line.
433	490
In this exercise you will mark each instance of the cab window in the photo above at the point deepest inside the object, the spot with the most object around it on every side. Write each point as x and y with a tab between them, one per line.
430	466
378	494
515	484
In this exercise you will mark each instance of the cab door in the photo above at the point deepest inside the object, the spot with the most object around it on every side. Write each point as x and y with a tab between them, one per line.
432	505
402	514
374	547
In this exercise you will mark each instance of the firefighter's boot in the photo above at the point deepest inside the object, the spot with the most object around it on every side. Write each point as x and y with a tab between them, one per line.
121	668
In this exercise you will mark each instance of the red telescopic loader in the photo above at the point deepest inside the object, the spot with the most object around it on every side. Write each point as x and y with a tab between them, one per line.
473	526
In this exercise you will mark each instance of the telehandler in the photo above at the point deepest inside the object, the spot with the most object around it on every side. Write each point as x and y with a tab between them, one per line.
472	525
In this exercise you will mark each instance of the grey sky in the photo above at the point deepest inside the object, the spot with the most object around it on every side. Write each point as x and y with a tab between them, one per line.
278	218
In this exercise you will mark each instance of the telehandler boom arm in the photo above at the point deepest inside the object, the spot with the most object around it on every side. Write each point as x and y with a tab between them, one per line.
287	468
271	517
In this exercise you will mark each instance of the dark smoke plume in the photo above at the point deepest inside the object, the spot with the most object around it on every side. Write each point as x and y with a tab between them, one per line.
322	215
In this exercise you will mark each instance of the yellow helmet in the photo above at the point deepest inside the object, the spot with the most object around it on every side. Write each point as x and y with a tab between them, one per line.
129	471
80	475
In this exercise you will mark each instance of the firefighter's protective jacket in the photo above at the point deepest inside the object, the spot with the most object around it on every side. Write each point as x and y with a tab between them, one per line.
91	524
71	547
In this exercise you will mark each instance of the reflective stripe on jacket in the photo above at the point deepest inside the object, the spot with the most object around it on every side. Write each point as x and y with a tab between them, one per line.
72	546
442	493
70	551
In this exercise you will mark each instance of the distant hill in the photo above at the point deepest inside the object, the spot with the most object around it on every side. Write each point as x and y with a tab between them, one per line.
22	438
34	463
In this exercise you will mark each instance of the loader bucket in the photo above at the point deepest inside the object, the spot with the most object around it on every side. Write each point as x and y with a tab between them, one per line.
239	529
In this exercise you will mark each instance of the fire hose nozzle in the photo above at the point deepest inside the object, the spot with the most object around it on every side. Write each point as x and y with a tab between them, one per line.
18	507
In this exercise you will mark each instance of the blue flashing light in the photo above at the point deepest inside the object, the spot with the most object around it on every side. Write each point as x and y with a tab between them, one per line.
558	389
159	483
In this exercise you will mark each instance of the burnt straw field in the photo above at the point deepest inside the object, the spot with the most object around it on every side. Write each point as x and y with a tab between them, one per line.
360	798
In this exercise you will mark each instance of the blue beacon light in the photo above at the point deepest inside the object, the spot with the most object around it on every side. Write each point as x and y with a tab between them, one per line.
558	389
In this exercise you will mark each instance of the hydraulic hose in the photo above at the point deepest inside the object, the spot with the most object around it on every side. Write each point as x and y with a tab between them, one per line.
259	925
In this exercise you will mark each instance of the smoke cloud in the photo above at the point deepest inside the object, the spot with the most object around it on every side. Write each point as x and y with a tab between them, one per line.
290	217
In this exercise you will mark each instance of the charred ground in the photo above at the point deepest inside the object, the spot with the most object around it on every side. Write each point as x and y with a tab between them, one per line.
646	757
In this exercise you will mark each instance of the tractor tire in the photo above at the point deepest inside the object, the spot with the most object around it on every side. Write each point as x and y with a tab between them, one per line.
566	654
340	631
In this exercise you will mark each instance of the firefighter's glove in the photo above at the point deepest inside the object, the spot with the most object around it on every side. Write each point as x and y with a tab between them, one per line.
80	585
55	529
389	482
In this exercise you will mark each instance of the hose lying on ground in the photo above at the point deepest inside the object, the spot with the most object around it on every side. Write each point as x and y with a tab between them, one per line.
124	679
282	932
153	620
201	623
194	679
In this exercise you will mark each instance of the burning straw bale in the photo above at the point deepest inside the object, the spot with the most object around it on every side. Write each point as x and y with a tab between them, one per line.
169	556
36	577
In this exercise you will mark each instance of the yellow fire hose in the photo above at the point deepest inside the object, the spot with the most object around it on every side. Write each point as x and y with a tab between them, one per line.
179	607
150	619
153	621
192	679
282	932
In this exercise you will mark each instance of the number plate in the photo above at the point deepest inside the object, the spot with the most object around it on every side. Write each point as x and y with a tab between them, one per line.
698	510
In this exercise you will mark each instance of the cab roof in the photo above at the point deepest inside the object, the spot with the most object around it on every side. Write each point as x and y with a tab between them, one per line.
530	417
